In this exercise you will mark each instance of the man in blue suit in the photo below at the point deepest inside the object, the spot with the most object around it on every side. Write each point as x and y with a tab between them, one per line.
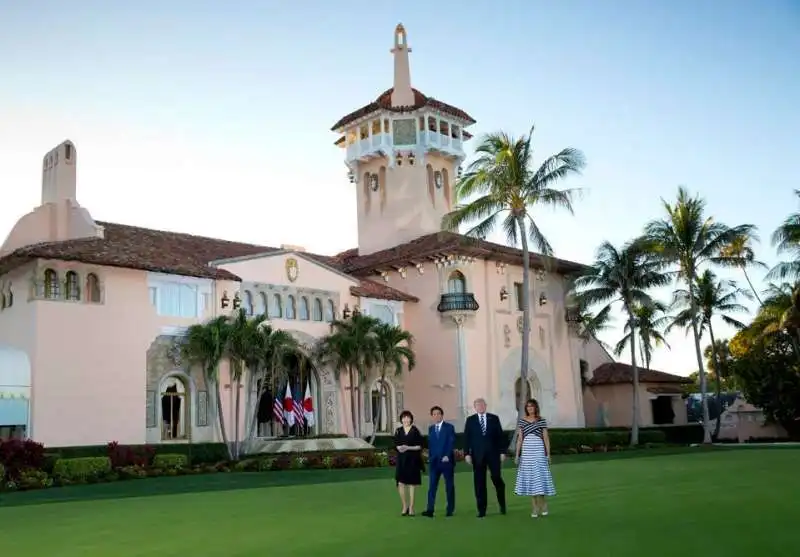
442	460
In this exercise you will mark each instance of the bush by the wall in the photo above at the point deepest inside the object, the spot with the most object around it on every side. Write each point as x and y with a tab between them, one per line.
2	474
196	453
82	469
170	461
19	454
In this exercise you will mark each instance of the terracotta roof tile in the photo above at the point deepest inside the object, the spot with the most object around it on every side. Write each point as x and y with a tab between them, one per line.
617	372
372	289
384	102
133	247
444	242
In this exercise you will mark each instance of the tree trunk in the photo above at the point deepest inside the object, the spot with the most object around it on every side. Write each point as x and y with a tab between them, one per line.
351	376
701	368
526	325
635	371
221	418
718	391
251	434
359	405
236	411
747	278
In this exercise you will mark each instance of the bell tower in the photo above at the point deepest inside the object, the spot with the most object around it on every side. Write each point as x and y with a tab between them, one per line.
403	152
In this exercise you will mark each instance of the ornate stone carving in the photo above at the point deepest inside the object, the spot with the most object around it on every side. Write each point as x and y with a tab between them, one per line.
400	402
506	336
326	377
330	412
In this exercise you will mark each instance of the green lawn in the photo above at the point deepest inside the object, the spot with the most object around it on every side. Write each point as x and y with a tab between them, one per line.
662	505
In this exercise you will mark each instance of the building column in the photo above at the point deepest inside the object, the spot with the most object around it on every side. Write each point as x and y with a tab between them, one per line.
461	359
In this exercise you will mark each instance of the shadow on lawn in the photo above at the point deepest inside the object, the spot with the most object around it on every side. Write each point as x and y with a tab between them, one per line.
255	480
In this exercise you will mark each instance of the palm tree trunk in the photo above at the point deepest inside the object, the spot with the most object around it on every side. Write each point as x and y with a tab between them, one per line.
352	378
380	409
747	278
718	391
221	418
526	324
701	368
359	405
635	371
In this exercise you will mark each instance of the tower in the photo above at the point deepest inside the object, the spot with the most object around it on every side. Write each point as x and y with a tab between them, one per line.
403	152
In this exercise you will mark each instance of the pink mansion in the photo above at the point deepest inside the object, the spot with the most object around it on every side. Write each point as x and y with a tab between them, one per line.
90	309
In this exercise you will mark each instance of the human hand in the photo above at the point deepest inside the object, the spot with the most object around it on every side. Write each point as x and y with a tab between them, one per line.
516	460
402	448
445	459
503	457
468	459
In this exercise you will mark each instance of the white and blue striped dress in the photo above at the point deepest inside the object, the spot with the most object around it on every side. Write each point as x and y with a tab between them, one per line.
533	473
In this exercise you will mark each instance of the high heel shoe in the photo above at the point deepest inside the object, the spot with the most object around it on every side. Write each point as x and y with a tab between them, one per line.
404	513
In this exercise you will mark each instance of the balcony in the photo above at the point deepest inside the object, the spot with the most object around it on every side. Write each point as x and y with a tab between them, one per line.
457	302
377	145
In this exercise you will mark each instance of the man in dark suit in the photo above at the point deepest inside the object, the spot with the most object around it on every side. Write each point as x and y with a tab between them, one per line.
442	460
485	449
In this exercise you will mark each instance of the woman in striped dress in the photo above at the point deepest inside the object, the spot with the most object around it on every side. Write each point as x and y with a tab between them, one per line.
533	459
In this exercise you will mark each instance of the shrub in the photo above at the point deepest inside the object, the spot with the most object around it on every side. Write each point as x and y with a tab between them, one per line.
129	455
33	479
2	473
133	472
18	454
170	461
81	470
197	453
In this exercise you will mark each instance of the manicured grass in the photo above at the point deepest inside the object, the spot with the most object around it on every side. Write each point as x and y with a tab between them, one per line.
721	502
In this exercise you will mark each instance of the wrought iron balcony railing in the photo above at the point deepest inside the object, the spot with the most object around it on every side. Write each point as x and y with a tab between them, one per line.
460	301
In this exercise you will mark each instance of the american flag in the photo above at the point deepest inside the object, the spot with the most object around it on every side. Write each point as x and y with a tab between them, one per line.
297	410
277	410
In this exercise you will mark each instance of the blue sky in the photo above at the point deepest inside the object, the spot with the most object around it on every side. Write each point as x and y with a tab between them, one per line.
214	118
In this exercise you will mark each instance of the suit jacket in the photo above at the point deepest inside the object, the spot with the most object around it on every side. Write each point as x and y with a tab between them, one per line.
443	443
484	447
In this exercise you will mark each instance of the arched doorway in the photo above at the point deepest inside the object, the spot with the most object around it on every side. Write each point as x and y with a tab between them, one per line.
175	402
534	391
271	420
381	397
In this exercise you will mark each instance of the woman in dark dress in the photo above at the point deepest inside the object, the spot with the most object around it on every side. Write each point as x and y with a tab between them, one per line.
408	473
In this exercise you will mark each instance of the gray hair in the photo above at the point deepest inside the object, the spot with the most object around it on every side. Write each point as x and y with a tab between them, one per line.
477	400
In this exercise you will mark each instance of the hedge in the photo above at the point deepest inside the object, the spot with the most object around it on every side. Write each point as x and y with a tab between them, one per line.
563	439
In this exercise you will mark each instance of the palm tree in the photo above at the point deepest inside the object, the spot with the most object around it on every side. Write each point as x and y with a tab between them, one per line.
650	322
350	348
242	352
687	240
582	322
786	240
722	351
271	349
509	187
741	248
623	276
780	313
205	345
713	298
393	352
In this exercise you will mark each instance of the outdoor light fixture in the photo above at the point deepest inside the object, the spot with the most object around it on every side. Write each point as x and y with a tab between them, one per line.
351	177
542	299
503	294
356	311
225	301
237	301
346	312
411	159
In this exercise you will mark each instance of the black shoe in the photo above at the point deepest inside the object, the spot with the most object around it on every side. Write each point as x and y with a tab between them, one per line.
405	513
482	515
429	514
448	514
502	510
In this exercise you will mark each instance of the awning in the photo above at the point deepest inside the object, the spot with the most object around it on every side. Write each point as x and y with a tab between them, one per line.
13	411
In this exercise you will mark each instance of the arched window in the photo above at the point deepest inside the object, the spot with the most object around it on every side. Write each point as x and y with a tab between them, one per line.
330	311
456	283
381	406
174	410
317	311
261	306
248	302
291	307
276	308
534	390
73	286
92	288
304	308
51	286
